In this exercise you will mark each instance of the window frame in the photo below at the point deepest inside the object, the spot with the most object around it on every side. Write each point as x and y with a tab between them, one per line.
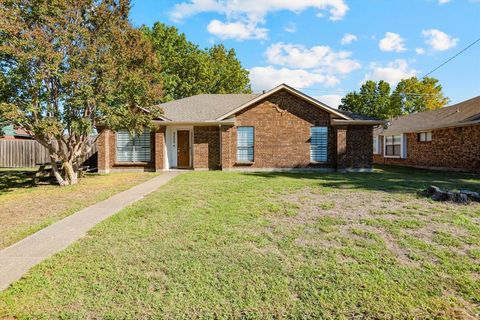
250	149
424	136
141	148
386	144
323	143
376	145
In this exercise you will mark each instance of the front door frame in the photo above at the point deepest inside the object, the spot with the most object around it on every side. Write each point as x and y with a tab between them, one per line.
189	151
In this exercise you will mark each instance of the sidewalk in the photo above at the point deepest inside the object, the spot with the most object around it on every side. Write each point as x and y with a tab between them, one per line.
17	259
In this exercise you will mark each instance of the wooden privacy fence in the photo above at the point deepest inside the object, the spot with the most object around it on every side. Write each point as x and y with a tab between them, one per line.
25	153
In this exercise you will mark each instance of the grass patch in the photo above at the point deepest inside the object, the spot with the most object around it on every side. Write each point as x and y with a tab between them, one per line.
228	245
26	209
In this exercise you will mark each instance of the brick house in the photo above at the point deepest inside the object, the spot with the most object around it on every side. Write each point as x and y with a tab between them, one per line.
281	129
448	138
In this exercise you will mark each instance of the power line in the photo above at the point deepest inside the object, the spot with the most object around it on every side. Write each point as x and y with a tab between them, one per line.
459	53
410	94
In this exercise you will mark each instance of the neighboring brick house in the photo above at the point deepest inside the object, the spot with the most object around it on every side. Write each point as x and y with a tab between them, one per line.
448	138
279	129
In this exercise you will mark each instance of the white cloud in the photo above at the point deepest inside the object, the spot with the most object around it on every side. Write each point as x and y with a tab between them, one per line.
348	38
264	78
420	51
393	72
291	27
439	40
332	100
236	30
443	1
256	10
392	42
252	13
322	58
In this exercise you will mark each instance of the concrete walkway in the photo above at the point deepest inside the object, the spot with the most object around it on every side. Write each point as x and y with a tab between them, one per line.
17	259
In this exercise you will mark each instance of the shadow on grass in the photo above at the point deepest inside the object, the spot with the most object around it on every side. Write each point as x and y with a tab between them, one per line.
11	180
386	178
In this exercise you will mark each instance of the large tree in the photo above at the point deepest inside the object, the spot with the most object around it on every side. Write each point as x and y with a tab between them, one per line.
188	70
410	95
68	66
373	100
413	95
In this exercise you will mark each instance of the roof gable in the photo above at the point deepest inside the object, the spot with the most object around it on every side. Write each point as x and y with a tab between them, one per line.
290	90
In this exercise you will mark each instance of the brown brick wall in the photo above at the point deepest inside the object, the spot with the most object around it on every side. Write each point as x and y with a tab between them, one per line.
359	147
206	147
282	124
103	153
341	138
450	148
159	142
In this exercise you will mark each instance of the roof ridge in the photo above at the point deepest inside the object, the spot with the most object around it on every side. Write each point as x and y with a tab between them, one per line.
437	110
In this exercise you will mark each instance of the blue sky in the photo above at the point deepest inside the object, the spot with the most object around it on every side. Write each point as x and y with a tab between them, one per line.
329	47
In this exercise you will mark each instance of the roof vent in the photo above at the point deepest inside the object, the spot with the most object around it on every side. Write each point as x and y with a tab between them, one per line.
458	109
263	91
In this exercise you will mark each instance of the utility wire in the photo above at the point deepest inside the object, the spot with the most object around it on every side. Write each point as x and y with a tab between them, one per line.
447	61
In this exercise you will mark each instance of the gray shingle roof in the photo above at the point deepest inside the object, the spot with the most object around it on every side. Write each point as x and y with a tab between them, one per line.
456	115
208	107
357	116
204	107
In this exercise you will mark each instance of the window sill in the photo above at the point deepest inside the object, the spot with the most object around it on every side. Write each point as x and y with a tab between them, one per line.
140	163
318	162
244	163
393	157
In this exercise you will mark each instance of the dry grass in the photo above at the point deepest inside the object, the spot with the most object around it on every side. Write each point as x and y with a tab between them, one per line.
25	209
218	245
384	215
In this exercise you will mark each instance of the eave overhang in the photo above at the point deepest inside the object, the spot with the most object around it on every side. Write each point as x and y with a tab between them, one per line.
228	122
341	122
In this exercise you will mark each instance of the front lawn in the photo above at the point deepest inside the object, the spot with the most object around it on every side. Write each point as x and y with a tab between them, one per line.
25	208
270	245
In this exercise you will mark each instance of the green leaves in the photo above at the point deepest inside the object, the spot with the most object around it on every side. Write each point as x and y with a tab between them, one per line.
188	70
67	66
372	100
413	95
410	96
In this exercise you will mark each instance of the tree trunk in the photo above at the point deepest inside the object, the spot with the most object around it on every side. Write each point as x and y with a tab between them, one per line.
71	174
57	173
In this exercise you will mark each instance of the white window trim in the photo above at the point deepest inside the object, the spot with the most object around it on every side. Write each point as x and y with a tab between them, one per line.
427	135
327	151
120	162
403	147
246	161
376	143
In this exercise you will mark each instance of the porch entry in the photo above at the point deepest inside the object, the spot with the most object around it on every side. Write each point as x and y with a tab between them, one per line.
183	149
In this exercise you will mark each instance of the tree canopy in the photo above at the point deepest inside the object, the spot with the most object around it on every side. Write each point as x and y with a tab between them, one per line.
414	95
411	95
188	70
70	66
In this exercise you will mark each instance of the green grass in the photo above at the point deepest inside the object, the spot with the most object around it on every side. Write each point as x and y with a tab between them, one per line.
233	245
25	208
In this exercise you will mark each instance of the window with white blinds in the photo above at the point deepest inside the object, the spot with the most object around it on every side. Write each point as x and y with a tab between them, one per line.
319	144
245	144
133	148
